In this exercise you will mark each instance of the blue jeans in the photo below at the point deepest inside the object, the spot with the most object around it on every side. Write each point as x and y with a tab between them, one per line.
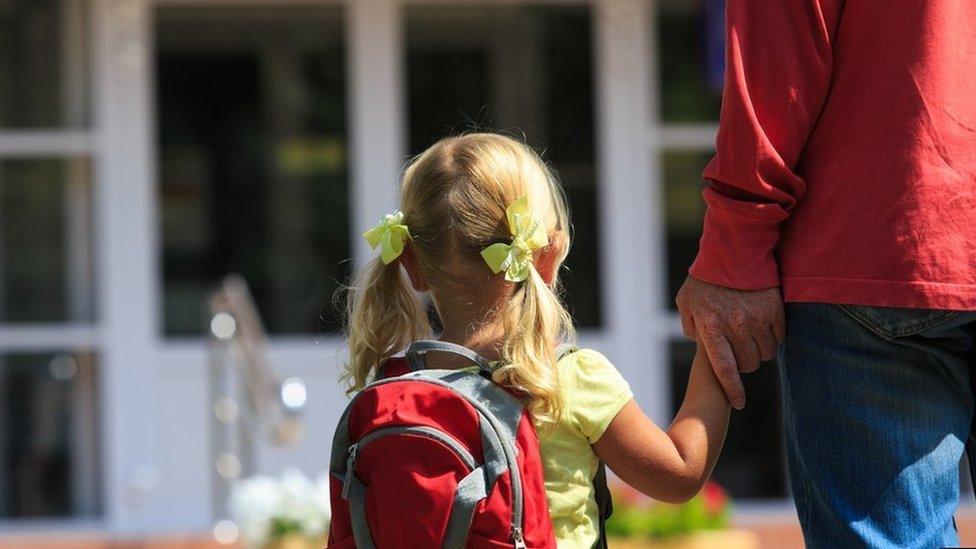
878	408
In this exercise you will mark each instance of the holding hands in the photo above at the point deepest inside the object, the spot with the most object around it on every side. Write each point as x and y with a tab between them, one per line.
737	328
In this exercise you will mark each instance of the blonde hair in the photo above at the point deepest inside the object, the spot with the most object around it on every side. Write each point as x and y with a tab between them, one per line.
454	197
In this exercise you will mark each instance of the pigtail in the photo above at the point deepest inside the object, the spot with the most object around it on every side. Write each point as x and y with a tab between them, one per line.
384	317
535	322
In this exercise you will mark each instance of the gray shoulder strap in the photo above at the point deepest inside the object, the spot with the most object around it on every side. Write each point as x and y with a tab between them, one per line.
564	349
419	349
470	491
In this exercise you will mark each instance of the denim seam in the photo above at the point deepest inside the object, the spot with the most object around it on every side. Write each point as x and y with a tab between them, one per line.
871	323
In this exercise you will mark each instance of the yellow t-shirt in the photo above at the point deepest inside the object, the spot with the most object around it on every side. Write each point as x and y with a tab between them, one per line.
593	392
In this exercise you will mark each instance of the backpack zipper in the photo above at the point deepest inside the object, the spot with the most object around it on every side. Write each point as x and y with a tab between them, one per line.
517	538
351	454
412	430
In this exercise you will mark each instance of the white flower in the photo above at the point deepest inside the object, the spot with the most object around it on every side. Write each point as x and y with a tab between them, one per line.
256	502
321	497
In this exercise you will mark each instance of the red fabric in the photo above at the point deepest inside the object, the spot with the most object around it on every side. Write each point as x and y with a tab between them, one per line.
416	404
395	366
411	481
538	526
845	166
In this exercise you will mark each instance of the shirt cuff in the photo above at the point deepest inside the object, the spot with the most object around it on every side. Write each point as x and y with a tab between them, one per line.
737	247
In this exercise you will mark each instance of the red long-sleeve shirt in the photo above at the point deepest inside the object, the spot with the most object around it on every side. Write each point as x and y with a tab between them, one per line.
845	167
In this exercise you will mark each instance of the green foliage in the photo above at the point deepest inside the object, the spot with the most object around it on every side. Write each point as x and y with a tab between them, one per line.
708	510
281	527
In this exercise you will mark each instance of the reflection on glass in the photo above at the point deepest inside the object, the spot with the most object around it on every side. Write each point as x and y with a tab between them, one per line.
253	160
45	241
684	211
524	70
690	74
43	63
49	463
753	462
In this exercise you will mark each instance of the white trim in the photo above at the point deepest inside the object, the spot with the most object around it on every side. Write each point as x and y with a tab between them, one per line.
127	273
669	325
687	137
629	199
376	114
21	338
46	143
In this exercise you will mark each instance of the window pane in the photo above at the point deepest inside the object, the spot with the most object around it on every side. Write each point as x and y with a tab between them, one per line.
684	211
43	63
48	439
752	465
522	70
253	160
45	241
691	45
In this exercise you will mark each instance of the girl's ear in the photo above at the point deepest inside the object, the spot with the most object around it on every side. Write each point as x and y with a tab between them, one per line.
547	259
409	261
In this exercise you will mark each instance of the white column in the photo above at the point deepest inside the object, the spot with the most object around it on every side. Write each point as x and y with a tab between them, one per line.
630	199
377	118
127	270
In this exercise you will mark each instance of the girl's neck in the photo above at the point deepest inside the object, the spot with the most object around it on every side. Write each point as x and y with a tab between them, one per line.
484	339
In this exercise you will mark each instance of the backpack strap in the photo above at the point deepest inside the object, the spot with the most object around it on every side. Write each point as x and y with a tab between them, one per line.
565	349
355	492
417	351
604	503
470	491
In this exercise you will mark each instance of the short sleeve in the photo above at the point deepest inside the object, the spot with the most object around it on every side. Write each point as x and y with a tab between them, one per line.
594	392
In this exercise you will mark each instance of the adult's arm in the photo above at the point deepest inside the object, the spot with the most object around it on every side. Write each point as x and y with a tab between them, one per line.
778	69
779	62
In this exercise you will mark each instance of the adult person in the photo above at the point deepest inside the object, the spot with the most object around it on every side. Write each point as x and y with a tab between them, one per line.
844	183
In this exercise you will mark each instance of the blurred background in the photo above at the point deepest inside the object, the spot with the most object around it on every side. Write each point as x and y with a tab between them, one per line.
148	148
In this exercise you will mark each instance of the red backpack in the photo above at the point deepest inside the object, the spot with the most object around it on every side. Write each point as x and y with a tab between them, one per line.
426	458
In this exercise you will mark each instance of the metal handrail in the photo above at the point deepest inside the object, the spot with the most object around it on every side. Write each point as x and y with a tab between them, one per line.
250	403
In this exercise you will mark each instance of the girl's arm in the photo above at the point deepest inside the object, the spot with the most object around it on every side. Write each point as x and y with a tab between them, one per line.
670	466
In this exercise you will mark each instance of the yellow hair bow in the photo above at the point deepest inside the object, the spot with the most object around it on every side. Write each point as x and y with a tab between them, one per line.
392	234
528	235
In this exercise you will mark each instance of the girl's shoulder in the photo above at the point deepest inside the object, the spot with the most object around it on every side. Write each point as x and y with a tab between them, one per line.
585	361
593	391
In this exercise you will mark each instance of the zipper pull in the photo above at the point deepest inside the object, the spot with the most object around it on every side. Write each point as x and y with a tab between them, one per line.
350	470
517	538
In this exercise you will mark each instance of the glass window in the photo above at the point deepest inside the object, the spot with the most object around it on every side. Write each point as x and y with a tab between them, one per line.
684	212
527	71
252	149
45	241
691	64
753	460
43	63
48	438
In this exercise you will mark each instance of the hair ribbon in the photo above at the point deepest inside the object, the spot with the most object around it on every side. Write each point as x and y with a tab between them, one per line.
391	235
528	235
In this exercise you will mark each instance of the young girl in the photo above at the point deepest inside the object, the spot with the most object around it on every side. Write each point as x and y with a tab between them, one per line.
484	231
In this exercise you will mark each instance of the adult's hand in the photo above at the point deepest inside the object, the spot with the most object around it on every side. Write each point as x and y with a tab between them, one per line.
737	328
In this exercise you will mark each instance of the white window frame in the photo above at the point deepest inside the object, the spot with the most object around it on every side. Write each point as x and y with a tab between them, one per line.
61	143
